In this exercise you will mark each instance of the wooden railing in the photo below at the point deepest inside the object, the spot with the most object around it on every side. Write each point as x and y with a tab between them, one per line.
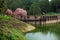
37	19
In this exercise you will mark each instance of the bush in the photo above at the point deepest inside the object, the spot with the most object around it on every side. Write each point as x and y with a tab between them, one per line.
8	29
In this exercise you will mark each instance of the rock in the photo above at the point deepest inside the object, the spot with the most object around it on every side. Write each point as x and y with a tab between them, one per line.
25	27
28	28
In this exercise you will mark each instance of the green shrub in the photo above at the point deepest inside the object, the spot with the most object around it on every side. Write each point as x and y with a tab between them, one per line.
8	30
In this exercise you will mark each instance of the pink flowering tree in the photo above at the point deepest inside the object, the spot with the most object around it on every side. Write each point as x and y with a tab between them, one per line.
20	11
8	12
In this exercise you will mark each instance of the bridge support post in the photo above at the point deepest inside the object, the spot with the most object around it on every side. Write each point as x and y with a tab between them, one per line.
35	21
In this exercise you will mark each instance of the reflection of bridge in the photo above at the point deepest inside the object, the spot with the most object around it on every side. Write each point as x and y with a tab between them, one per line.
38	19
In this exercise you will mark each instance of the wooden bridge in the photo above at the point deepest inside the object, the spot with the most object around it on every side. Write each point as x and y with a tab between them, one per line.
38	19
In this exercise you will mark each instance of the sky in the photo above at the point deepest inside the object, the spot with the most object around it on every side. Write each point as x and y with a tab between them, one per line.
49	0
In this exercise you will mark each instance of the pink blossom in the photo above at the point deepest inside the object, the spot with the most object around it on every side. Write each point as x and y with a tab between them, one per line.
20	11
8	11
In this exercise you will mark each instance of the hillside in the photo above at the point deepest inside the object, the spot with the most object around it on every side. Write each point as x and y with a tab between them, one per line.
12	29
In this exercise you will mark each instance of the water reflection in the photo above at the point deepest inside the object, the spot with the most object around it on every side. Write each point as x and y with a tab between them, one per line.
41	36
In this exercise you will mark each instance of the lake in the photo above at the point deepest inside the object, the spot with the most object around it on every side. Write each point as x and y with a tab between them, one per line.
45	33
42	36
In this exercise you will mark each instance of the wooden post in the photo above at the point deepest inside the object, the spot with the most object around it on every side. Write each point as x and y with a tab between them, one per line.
35	20
40	20
50	18
43	20
28	18
21	17
57	18
25	18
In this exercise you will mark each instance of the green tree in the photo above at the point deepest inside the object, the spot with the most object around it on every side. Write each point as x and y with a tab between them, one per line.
3	6
25	4
44	5
39	6
35	9
13	4
55	5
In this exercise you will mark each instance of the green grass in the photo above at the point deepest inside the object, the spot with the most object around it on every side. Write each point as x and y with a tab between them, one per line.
51	14
9	30
48	14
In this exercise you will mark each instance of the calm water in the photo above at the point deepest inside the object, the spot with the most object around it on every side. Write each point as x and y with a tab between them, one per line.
49	32
42	36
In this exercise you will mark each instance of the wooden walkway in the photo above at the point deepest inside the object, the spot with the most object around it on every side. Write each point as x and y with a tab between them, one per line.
39	19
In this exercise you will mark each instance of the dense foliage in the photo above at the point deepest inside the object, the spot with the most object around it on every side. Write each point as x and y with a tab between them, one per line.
31	6
9	30
3	6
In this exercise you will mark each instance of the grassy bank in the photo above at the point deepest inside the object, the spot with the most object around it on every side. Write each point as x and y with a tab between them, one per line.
10	29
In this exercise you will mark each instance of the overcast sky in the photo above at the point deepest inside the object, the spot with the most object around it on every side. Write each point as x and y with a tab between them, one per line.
49	0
